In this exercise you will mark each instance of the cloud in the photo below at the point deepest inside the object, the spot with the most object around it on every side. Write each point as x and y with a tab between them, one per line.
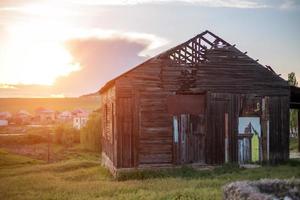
208	3
101	58
290	4
37	7
150	41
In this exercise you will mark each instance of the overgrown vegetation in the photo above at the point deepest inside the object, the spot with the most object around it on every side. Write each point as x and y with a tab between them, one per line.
293	145
90	135
24	135
66	135
44	143
81	177
182	172
293	112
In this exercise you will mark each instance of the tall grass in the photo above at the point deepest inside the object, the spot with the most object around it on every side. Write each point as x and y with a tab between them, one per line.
90	135
84	178
67	135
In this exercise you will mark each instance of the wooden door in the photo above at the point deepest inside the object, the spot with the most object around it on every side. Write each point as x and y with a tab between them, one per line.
244	154
217	129
196	139
126	132
189	139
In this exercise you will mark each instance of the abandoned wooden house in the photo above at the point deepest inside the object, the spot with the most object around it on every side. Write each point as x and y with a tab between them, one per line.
203	102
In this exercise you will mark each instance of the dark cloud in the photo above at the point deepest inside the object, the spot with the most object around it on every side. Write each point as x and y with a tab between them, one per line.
101	60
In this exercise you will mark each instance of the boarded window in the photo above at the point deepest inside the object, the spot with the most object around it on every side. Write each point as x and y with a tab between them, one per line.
186	104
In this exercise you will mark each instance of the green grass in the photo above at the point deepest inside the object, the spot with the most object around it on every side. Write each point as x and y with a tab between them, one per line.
31	104
80	176
293	144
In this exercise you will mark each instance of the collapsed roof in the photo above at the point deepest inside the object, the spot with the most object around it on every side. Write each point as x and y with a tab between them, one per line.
205	47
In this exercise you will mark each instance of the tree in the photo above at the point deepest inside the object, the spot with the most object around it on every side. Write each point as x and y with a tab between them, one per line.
292	80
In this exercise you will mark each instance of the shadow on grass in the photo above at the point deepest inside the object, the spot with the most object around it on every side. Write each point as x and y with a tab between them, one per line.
192	173
183	172
293	163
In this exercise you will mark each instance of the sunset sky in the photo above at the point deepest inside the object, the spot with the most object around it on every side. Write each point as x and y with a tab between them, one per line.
56	48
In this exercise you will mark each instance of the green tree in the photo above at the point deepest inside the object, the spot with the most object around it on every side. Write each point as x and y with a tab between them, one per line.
292	80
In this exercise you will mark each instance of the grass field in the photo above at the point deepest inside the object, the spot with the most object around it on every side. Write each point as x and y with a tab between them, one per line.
80	176
31	104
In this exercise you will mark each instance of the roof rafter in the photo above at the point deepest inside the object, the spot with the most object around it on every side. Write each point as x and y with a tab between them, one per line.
193	51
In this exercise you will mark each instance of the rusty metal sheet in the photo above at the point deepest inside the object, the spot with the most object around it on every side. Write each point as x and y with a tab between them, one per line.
186	104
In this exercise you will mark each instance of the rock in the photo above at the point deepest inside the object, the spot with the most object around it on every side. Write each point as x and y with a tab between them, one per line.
266	189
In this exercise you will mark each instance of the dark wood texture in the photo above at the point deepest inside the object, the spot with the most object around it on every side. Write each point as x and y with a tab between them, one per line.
186	104
189	147
279	129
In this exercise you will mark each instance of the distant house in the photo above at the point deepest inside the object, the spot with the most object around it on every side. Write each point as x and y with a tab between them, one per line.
80	118
45	116
4	118
22	117
5	115
3	122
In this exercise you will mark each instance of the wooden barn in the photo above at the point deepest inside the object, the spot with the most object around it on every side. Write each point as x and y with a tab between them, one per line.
203	102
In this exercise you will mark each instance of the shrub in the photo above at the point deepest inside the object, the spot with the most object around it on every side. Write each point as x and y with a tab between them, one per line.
66	135
90	135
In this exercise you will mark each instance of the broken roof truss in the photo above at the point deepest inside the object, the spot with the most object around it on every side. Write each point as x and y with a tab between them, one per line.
193	51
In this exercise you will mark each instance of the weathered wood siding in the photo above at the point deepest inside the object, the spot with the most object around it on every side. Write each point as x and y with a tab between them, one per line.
151	141
279	129
144	126
109	135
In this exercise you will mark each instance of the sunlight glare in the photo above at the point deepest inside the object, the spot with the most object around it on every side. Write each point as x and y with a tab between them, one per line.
35	54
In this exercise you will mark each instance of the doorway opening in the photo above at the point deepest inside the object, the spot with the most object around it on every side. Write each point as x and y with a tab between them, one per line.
249	140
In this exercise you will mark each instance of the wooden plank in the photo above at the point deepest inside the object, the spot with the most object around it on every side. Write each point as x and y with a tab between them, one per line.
126	132
226	138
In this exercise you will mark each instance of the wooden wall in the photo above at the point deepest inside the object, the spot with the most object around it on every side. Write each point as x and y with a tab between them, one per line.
279	129
109	135
151	124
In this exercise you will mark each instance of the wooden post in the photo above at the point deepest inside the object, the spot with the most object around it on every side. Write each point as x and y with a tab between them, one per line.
226	139
298	130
